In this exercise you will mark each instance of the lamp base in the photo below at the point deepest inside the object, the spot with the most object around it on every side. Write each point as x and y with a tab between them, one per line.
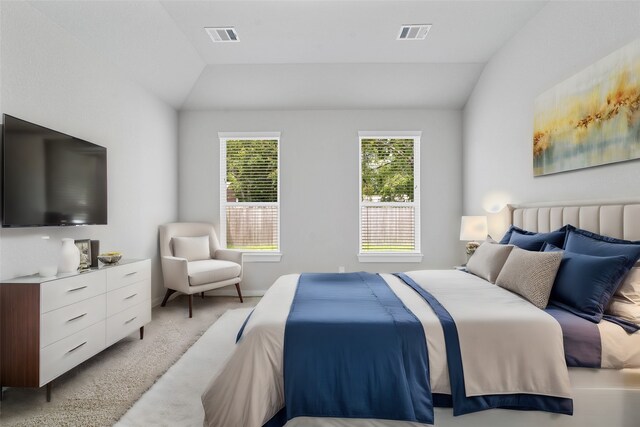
471	248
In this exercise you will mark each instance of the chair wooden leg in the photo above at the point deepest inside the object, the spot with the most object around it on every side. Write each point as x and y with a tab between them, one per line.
202	295
166	297
141	332
239	293
190	306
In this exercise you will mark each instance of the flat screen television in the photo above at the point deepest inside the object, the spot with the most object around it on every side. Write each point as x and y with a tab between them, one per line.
49	178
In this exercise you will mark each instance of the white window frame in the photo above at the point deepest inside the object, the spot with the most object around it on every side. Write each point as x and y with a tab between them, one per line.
415	255
249	256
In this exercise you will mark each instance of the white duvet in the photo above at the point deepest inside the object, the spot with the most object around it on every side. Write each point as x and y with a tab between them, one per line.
507	346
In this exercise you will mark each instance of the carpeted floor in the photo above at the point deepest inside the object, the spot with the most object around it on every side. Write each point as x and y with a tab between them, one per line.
174	400
102	389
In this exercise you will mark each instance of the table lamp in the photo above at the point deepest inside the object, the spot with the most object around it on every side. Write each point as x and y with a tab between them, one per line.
472	229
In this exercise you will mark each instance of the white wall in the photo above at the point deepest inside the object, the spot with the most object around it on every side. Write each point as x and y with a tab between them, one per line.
561	40
51	79
319	183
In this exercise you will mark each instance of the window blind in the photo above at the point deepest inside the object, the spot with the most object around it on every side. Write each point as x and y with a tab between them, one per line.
250	194
389	198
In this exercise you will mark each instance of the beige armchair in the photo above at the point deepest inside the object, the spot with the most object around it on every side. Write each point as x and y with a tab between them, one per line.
200	269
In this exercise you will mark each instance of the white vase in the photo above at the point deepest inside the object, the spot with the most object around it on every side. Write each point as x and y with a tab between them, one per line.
69	257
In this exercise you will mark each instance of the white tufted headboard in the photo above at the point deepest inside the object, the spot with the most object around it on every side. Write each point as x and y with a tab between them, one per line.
615	219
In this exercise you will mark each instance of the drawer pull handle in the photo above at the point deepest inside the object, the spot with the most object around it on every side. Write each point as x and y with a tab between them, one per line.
131	296
76	318
76	347
76	289
131	320
130	274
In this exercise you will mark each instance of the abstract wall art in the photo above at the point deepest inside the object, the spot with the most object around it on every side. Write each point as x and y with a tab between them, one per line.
591	119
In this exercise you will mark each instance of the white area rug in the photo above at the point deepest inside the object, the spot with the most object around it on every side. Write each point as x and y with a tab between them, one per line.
174	400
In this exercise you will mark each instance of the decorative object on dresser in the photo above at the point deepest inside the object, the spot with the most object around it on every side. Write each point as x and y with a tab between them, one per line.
110	257
472	229
69	257
193	261
50	325
84	246
95	250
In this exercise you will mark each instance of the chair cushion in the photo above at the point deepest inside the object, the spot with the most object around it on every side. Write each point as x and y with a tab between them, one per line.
211	271
191	248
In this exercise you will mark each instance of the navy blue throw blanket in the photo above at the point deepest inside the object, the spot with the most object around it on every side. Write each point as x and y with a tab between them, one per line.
353	350
463	404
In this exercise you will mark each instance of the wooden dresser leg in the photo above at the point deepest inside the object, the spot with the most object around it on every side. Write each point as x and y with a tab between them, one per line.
0	393
49	391
190	306
141	332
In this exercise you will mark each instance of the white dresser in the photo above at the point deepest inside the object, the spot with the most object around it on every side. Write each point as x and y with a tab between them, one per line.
50	325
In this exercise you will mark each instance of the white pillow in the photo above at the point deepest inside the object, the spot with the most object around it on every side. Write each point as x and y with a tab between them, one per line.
191	248
625	303
488	259
530	274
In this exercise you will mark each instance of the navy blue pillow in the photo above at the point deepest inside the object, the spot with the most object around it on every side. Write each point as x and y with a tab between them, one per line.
534	242
585	283
588	243
513	229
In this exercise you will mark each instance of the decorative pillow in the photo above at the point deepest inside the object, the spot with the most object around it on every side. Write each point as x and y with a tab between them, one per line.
191	248
556	237
530	274
513	229
625	303
534	242
585	283
588	243
488	259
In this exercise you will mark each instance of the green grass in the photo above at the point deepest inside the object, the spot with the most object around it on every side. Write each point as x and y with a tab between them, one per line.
254	247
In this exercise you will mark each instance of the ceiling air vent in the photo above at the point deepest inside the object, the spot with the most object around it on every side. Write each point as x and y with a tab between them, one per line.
414	32
226	34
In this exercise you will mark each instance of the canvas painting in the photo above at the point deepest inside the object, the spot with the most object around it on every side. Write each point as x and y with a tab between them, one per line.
591	119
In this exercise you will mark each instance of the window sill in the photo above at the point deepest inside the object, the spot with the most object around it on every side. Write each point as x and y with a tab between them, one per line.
262	256
390	257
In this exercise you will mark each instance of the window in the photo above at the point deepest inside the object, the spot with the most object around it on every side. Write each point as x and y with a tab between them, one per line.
250	194
389	197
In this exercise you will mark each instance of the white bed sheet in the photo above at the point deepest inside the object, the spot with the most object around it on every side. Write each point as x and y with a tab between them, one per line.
619	348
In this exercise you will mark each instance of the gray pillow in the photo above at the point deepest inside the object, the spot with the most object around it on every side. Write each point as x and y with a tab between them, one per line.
488	259
530	274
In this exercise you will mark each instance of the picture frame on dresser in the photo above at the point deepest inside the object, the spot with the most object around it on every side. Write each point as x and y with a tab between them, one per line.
50	325
84	246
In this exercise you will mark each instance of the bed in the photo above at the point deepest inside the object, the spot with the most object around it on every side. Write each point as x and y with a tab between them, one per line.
251	389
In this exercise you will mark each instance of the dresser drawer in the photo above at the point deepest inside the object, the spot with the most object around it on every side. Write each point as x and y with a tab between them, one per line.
63	292
63	355
127	274
68	320
128	296
126	322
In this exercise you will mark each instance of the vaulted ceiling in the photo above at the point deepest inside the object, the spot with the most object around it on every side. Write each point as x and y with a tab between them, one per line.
297	54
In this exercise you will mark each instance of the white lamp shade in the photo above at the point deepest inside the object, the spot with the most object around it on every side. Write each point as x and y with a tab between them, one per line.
473	228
